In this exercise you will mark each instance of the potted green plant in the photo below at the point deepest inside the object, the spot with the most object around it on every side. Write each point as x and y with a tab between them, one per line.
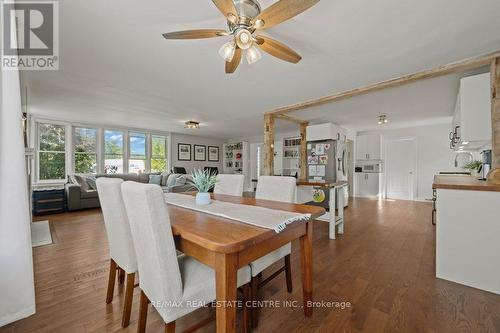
474	167
203	181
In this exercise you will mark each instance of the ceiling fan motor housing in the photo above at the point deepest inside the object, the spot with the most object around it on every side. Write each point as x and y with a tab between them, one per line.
247	10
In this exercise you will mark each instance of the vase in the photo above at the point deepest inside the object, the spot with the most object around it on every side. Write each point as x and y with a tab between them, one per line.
203	198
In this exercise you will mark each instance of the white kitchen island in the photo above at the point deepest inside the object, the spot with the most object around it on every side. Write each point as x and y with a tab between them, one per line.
335	216
468	232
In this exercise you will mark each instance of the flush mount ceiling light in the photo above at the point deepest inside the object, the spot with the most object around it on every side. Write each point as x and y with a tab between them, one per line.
244	18
192	124
382	119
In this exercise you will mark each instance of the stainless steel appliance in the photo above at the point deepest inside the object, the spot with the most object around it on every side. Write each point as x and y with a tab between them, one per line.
371	167
327	160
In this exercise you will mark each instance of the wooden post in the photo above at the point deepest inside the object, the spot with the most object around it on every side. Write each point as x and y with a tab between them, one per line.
494	175
303	151
268	144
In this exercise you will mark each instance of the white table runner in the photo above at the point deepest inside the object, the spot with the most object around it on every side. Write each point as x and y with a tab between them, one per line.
276	220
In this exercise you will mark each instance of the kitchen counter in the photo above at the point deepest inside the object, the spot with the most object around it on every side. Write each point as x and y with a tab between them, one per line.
325	183
462	182
467	231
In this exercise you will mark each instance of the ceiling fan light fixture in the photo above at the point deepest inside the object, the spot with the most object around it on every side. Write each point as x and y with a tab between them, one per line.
253	55
192	124
382	119
244	39
227	51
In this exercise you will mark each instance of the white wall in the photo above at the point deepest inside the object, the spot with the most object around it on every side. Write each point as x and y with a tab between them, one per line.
198	140
17	294
433	152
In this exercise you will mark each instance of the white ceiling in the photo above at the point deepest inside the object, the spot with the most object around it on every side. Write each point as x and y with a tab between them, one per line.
116	67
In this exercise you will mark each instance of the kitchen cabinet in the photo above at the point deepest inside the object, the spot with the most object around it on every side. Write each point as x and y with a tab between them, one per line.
367	184
368	147
467	245
471	129
327	131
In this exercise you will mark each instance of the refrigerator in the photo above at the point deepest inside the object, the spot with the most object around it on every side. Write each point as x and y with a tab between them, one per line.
327	161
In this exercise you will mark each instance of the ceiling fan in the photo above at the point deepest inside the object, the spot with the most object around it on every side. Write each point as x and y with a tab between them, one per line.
244	18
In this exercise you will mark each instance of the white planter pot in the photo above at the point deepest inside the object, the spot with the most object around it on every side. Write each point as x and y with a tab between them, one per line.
203	198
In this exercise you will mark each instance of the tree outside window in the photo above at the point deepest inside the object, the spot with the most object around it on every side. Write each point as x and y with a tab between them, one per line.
51	152
158	153
85	150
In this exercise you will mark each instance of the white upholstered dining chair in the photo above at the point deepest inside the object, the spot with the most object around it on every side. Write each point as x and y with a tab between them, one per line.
165	277
229	184
276	189
121	247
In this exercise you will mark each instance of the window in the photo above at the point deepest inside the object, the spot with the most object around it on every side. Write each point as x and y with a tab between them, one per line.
137	152
158	153
113	151
51	152
85	150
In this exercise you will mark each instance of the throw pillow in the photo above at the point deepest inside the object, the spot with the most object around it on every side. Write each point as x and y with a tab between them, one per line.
171	179
181	180
155	179
164	178
82	182
91	182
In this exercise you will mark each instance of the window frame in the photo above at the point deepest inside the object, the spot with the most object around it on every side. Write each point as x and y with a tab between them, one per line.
38	151
73	147
167	149
124	148
70	150
147	138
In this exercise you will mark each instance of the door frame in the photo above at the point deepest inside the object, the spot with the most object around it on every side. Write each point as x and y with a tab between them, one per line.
388	140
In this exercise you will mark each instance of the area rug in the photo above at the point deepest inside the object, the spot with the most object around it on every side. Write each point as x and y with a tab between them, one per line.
40	233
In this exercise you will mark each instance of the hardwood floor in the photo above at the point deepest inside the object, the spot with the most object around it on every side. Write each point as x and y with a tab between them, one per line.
383	266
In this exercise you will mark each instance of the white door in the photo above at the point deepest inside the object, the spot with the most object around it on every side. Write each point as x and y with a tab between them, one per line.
400	168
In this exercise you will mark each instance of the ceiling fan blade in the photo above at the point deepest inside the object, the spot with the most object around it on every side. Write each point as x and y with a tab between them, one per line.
282	11
233	64
195	34
226	7
278	49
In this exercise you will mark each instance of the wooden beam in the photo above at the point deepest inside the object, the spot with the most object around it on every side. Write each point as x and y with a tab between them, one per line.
494	175
303	151
268	145
459	66
290	118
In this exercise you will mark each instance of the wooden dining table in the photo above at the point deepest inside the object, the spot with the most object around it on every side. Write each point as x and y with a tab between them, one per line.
227	245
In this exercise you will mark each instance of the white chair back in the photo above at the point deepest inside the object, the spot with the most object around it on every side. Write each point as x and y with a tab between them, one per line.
276	188
229	184
160	277
121	246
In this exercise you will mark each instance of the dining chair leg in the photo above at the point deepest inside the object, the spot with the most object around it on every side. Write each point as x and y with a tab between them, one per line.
143	313
170	327
111	281
288	273
121	275
254	287
127	304
246	309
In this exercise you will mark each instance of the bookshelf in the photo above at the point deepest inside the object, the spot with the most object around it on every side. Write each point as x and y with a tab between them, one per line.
291	156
